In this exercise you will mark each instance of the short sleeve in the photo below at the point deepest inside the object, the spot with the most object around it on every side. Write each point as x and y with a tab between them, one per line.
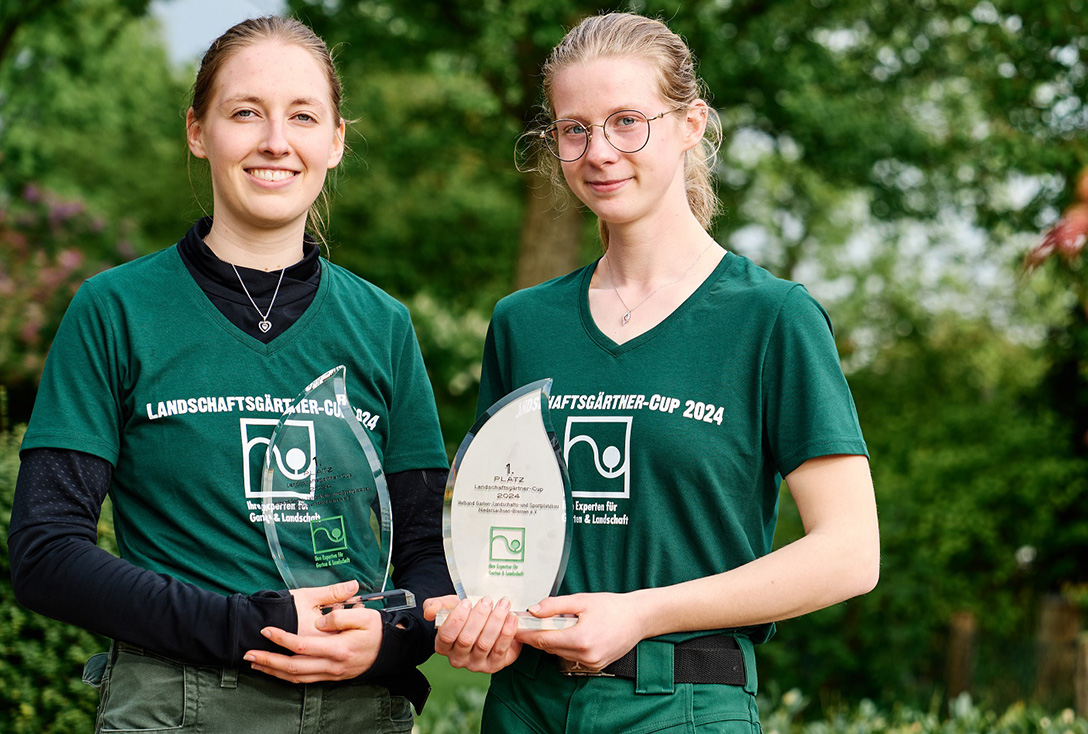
808	409
78	405
492	375
415	437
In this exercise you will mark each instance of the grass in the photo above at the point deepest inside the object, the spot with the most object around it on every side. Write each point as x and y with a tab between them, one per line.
446	683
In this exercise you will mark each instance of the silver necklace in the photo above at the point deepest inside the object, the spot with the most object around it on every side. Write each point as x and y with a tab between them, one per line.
629	309
264	324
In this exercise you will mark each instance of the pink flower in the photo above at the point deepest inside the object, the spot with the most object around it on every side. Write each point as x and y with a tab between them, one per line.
70	259
1069	234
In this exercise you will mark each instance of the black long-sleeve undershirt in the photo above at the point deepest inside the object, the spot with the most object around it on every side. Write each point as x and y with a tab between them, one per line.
58	570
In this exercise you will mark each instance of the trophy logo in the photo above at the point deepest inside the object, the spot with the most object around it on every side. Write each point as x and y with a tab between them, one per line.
328	535
508	544
598	450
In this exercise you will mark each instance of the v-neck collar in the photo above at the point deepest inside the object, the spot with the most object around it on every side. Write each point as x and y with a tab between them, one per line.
290	334
607	344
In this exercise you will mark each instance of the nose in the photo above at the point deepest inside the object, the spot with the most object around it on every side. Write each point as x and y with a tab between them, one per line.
599	150
275	139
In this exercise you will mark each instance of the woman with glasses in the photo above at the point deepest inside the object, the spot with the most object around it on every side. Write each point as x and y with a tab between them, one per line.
707	380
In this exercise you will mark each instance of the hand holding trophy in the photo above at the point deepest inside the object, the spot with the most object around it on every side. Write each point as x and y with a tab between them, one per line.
324	498
507	518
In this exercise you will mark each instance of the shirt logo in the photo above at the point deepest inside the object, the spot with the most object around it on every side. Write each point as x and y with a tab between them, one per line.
597	450
293	457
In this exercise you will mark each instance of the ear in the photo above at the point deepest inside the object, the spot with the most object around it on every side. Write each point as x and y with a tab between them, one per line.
337	153
193	135
695	120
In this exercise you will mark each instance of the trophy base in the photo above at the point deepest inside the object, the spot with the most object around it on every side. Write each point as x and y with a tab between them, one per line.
390	601
526	621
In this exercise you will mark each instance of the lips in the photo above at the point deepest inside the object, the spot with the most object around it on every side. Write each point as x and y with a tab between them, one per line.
604	187
271	174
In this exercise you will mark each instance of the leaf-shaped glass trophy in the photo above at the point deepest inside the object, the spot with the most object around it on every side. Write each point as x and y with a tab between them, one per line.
506	520
324	499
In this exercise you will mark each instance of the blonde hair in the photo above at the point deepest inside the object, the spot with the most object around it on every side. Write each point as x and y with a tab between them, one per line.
287	31
614	35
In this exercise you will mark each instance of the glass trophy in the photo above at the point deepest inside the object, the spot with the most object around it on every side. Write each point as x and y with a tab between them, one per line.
506	519
324	499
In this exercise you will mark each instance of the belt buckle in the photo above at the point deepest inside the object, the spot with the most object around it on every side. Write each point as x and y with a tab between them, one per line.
575	669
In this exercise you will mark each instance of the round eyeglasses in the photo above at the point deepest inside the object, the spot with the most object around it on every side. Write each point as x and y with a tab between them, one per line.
627	131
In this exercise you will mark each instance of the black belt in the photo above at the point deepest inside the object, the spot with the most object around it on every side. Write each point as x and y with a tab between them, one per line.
713	659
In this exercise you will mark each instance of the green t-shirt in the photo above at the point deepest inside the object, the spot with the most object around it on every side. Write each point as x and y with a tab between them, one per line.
147	374
676	440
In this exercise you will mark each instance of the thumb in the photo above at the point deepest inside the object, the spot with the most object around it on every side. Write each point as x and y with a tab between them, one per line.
434	604
553	605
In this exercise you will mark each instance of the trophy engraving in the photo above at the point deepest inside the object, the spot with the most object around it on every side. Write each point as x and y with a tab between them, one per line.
507	517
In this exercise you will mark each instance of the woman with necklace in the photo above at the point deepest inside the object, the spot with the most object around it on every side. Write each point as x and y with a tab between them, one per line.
726	379
162	388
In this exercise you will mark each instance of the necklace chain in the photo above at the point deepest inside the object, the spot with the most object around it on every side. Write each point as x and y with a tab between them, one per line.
264	324
629	309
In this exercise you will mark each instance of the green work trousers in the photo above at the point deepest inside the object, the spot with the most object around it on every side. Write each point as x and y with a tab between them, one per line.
533	697
142	692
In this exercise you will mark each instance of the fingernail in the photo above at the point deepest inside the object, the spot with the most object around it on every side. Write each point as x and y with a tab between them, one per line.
504	603
486	601
466	603
249	658
266	632
535	608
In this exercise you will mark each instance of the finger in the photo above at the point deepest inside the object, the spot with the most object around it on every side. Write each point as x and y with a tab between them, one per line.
506	641
335	592
494	625
294	668
283	638
451	629
282	666
469	637
267	660
299	644
339	620
564	643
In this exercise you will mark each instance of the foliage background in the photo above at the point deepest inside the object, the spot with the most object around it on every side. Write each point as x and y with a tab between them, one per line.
897	158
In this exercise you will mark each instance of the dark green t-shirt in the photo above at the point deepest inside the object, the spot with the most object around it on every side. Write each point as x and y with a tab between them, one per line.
676	440
146	373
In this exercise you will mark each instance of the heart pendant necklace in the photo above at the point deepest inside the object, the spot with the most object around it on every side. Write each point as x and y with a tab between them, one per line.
264	324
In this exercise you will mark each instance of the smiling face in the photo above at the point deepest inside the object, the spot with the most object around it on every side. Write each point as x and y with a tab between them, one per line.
625	188
270	134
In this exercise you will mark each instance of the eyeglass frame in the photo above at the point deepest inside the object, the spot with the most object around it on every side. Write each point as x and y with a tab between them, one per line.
589	132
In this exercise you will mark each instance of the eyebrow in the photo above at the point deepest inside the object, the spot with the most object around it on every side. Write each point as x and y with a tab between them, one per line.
298	101
583	118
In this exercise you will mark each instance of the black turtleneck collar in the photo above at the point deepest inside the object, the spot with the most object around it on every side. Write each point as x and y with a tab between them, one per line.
222	286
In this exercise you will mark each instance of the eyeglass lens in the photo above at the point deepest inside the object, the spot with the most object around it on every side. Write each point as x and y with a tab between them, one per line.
627	130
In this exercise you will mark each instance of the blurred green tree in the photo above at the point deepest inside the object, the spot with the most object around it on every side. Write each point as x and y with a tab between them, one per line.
835	113
91	109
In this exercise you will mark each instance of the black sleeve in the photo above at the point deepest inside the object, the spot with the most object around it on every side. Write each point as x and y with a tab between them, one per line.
419	565
57	570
